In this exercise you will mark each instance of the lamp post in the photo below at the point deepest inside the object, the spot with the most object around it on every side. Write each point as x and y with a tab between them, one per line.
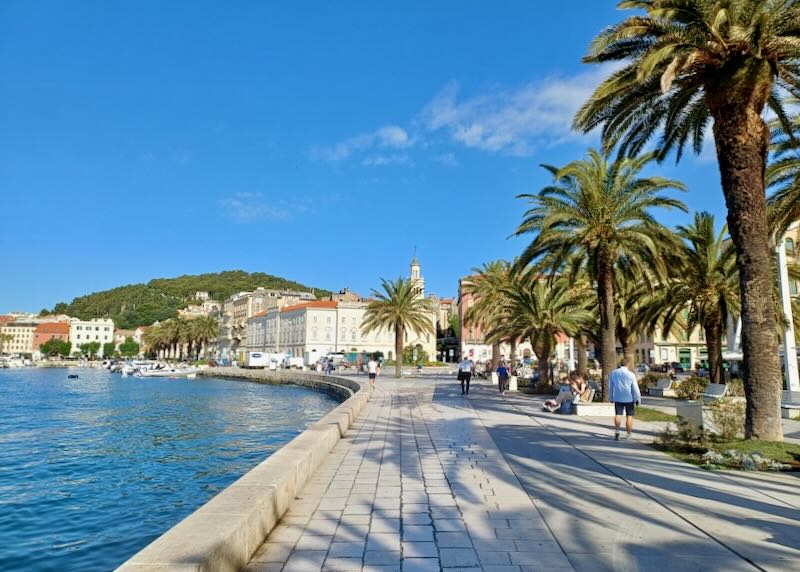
789	347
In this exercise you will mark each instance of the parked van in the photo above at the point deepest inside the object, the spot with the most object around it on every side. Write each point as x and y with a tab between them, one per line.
256	360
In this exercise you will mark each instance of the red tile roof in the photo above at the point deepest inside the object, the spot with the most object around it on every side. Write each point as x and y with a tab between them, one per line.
52	328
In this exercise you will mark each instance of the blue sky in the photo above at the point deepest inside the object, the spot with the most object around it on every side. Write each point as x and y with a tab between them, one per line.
319	141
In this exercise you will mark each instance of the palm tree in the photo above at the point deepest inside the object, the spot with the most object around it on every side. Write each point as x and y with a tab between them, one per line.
488	287
689	64
702	288
541	309
401	308
155	339
4	338
204	329
175	331
600	211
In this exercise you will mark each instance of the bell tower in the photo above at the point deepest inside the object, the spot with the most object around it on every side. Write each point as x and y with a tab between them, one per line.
416	278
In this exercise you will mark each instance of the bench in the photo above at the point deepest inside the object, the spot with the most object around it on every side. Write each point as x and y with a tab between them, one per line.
714	392
593	409
790	410
663	388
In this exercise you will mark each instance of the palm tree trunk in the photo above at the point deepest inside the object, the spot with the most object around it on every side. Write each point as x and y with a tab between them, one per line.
544	362
627	340
398	349
605	298
583	365
713	330
742	141
495	356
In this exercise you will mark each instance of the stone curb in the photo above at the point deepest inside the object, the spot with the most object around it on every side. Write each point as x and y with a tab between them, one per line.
224	533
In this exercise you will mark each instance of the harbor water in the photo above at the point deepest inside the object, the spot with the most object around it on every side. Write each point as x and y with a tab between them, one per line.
93	469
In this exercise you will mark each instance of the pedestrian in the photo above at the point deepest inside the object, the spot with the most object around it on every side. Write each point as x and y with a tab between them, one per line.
465	374
372	371
623	392
502	377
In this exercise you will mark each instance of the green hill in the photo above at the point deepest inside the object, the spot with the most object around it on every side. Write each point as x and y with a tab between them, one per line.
142	304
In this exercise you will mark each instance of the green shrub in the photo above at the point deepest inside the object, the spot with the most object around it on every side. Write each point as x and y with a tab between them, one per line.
735	387
691	388
728	417
648	381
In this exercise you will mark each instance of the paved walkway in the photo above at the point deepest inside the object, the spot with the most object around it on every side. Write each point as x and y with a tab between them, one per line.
429	480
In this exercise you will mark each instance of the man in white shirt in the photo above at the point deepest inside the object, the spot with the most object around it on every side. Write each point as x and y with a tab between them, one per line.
372	370
465	374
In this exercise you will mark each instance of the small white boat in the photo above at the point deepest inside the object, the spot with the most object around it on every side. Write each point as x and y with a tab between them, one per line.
169	372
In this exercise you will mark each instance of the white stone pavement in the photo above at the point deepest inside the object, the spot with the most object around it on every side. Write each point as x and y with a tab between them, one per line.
429	480
416	484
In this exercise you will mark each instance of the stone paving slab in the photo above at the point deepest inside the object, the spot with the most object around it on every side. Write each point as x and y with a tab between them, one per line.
625	506
417	484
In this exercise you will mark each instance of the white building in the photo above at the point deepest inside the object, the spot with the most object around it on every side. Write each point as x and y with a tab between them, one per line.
86	331
313	329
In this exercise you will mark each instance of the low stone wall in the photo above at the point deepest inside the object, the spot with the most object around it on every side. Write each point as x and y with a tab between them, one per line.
223	534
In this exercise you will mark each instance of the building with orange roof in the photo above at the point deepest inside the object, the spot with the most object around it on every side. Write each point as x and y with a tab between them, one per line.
47	331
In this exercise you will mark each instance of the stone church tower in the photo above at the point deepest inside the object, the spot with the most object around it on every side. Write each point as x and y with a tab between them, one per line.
416	278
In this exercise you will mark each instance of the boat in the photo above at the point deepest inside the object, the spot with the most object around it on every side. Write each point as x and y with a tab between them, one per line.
189	372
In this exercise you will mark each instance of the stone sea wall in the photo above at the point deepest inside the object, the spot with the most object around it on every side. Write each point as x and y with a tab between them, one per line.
223	534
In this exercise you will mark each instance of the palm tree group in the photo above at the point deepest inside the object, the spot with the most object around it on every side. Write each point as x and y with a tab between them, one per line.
693	64
178	338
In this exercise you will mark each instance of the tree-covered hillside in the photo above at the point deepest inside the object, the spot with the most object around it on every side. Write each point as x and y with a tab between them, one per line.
142	304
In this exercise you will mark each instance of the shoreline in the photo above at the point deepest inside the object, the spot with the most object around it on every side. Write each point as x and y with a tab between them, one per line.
224	533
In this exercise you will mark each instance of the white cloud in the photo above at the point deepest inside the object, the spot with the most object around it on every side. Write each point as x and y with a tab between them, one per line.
248	207
386	137
513	121
447	159
391	159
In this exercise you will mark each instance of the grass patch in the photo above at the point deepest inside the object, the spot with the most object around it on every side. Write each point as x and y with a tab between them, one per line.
710	452
649	414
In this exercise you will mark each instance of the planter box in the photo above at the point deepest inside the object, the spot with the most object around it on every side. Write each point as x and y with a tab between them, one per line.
495	379
700	416
512	383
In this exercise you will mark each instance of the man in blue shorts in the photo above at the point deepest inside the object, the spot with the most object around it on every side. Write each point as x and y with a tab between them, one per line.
623	392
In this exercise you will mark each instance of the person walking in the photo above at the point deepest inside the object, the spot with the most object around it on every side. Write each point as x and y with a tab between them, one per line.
465	374
623	392
502	377
372	371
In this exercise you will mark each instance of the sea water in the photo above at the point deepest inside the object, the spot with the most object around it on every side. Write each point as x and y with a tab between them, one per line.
93	469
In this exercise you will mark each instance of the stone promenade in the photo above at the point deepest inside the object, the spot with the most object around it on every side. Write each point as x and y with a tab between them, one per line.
427	480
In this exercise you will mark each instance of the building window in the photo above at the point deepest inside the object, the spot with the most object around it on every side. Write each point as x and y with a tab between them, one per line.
790	247
793	288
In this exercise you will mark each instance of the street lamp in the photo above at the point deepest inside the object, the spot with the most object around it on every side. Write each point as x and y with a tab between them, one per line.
789	347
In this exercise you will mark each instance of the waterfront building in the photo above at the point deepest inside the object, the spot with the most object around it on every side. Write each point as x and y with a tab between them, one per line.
472	340
86	331
20	336
687	348
46	331
239	308
204	307
312	329
136	335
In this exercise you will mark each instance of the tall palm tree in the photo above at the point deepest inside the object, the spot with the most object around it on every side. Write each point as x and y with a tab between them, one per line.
783	175
599	210
155	339
487	288
204	329
400	308
689	64
4	338
541	309
175	330
702	289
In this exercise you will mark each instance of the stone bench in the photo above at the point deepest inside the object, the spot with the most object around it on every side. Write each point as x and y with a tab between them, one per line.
714	392
790	410
594	409
663	388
